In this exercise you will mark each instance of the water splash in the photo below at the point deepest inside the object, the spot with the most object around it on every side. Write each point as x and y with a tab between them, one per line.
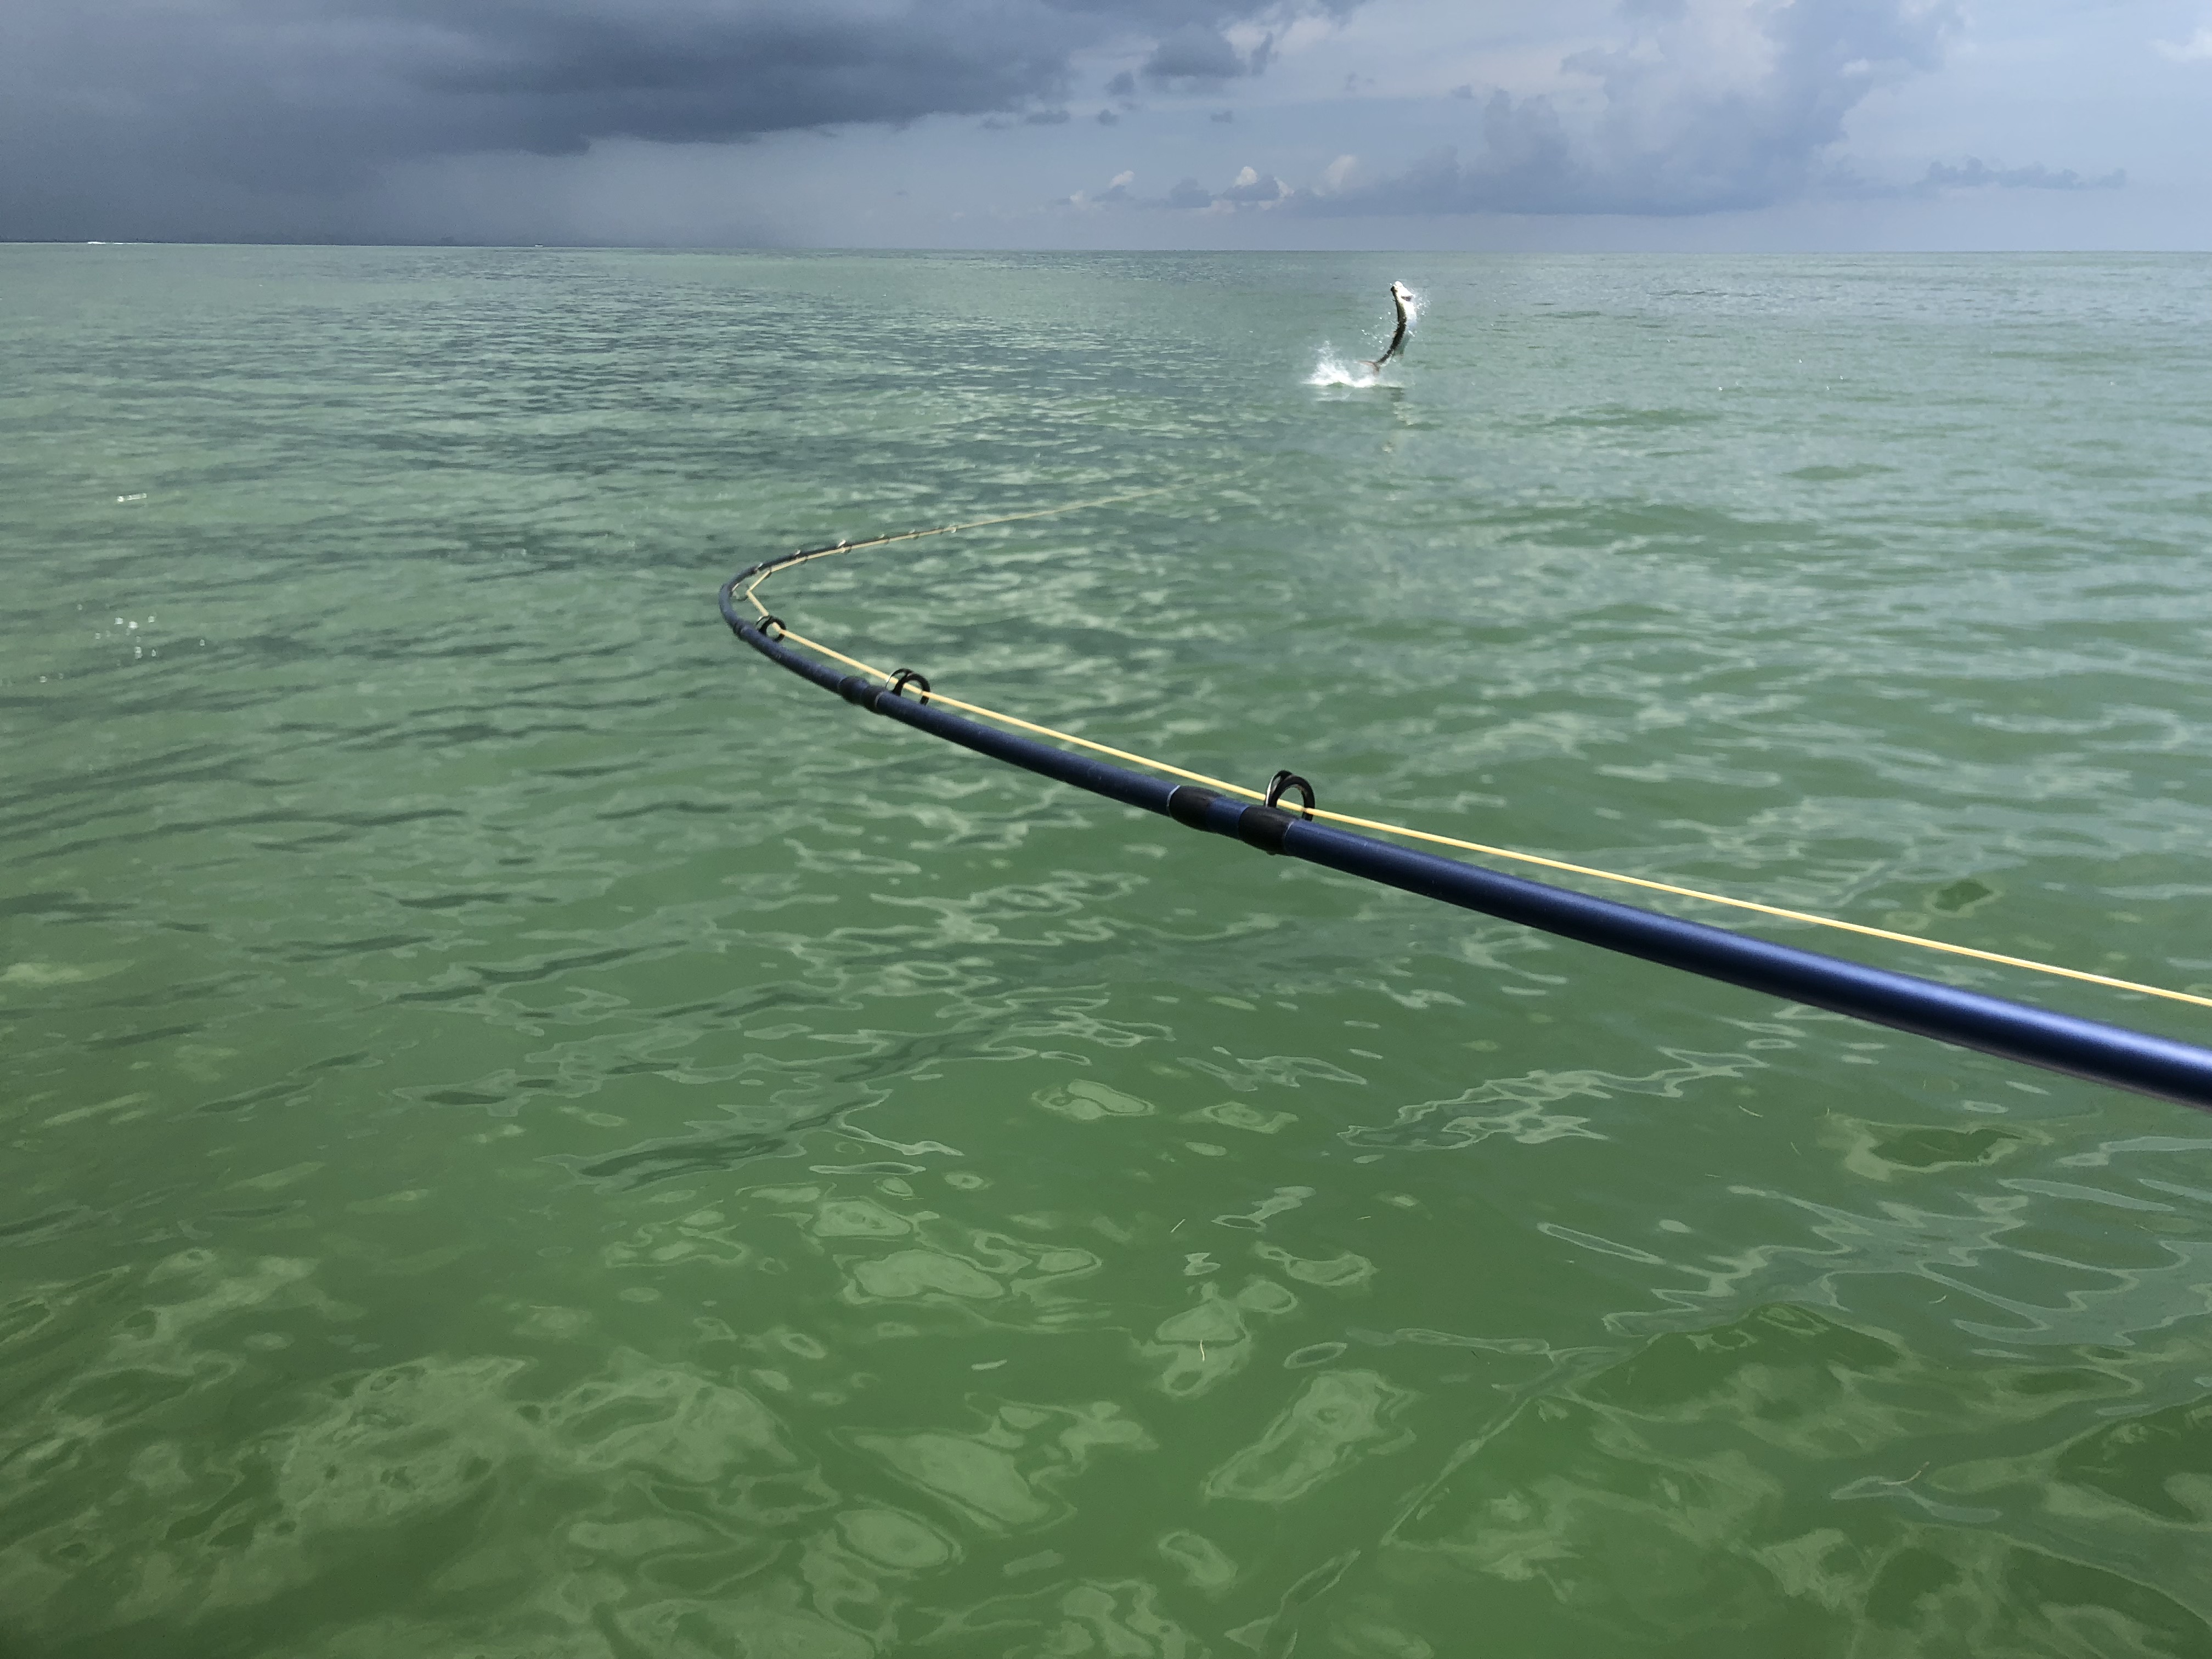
1329	370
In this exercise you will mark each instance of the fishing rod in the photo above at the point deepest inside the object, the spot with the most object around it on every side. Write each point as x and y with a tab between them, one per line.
2138	1061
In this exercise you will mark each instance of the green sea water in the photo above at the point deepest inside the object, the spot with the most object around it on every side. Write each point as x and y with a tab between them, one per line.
530	1133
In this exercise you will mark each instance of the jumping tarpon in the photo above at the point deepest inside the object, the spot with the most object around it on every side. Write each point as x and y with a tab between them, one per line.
1403	297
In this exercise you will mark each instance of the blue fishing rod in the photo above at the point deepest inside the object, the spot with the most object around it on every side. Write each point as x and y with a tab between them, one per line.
2136	1060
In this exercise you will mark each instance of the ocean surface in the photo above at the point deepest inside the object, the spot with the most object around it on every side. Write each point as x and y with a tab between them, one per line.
530	1134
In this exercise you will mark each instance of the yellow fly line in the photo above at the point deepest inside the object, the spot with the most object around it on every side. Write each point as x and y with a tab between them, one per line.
942	530
1399	829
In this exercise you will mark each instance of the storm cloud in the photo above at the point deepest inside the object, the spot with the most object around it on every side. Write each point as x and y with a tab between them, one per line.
1704	108
966	122
244	117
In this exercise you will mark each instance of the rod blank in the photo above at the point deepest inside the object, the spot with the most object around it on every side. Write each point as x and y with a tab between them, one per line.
2112	1054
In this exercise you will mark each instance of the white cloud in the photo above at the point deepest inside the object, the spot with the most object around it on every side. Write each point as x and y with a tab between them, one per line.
2196	49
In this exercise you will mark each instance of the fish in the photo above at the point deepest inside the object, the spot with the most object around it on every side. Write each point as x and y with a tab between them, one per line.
1403	297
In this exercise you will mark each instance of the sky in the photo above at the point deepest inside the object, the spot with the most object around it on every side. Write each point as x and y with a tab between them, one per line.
1659	125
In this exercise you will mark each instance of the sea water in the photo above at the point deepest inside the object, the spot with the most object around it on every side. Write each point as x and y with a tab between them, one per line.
531	1132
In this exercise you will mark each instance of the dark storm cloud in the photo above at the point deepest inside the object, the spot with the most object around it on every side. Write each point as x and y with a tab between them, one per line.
147	111
1670	132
